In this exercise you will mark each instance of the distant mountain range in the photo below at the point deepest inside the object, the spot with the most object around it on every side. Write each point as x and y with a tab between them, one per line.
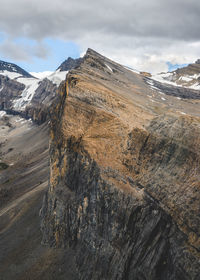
188	76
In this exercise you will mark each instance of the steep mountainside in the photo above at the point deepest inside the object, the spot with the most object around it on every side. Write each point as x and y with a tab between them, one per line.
122	198
124	175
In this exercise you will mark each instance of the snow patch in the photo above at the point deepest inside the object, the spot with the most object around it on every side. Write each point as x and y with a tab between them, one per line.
195	86
169	78
164	78
31	85
150	82
41	75
196	76
152	86
109	68
57	77
11	75
186	78
2	113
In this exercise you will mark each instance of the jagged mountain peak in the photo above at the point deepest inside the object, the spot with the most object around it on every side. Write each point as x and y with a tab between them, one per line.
70	63
91	52
13	68
103	63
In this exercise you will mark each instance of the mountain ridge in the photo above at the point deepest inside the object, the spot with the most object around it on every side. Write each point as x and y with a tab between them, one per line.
11	67
25	103
124	157
117	160
187	77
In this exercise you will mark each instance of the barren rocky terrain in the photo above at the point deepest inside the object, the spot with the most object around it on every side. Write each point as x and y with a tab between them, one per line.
124	175
114	174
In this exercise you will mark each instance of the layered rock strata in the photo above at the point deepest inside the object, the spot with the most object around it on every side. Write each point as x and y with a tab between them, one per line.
124	176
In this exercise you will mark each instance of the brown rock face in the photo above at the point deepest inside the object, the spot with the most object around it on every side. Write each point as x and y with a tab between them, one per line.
124	176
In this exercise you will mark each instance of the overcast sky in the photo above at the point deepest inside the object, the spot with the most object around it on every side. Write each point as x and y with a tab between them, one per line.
146	35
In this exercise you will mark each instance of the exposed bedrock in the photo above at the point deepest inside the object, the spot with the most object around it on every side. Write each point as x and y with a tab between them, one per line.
124	183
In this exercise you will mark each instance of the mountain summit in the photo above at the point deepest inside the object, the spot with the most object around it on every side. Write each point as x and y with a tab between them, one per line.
6	67
69	64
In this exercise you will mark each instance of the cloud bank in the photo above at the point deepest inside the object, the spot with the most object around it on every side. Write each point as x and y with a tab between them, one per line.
142	34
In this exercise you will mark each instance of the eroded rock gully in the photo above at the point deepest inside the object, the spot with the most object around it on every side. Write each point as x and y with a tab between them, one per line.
124	180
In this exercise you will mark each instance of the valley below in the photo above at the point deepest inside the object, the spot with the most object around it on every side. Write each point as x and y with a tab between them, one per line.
24	150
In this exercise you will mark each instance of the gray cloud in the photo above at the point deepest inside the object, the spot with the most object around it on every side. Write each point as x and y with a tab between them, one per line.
14	51
22	51
152	18
40	51
145	30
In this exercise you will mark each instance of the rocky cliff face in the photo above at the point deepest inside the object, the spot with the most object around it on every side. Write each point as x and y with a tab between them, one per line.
124	176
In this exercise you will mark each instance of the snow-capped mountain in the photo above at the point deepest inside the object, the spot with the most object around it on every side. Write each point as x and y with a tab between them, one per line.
23	86
12	70
20	91
188	77
60	74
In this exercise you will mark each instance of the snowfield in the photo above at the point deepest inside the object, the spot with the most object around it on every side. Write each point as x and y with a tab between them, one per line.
188	81
41	75
11	75
27	94
31	84
57	77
